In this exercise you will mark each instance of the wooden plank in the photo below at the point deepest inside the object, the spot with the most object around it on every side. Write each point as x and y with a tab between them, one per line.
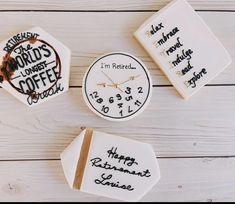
181	180
110	5
90	35
202	126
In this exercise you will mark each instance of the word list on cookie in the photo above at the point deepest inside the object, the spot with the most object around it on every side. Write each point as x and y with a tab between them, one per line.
183	46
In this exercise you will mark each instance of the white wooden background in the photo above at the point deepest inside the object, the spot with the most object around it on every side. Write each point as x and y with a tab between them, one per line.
194	140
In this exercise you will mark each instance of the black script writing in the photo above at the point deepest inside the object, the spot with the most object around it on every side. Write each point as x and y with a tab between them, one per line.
105	181
185	55
34	98
21	49
166	37
196	77
112	153
155	29
98	162
187	69
174	47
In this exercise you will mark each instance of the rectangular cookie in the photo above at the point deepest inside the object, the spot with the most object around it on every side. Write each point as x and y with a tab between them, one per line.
183	46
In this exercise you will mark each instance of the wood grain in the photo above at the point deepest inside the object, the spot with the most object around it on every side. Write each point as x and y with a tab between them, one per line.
110	5
91	34
202	126
181	180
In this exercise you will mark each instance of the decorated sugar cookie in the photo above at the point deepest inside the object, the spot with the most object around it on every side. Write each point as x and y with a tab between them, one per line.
183	46
111	166
34	66
117	86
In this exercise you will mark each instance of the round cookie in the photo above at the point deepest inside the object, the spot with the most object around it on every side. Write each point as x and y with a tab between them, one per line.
117	86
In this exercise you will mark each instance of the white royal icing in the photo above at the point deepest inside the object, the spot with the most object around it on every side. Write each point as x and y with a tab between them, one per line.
34	67
117	86
183	46
116	167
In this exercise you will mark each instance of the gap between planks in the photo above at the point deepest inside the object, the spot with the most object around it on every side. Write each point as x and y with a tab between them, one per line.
189	157
108	11
159	86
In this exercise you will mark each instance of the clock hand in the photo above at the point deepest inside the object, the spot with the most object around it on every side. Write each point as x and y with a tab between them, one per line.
131	78
115	85
109	85
102	84
108	77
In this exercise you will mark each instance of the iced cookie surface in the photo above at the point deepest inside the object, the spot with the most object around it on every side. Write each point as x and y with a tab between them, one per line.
183	46
117	86
111	166
35	66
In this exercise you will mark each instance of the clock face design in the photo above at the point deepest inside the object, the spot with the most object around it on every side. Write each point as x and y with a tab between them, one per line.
117	87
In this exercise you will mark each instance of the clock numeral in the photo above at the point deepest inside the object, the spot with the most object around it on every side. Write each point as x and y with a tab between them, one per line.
129	109
99	100
129	98
140	90
128	90
94	95
121	113
119	97
105	109
111	100
138	103
120	105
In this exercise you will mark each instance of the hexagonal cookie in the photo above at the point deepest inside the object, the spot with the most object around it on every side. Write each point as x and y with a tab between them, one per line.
34	66
111	166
